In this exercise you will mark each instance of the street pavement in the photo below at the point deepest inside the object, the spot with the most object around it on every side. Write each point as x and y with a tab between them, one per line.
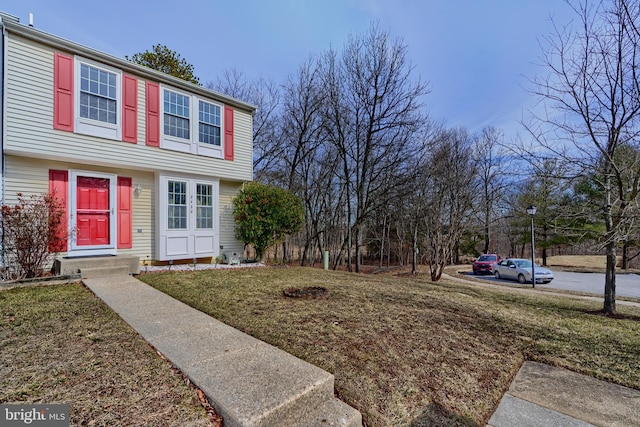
627	285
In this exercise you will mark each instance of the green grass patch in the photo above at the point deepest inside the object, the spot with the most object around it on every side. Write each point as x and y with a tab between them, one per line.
408	352
60	344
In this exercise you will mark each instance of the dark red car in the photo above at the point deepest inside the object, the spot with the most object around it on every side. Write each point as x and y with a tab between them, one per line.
485	263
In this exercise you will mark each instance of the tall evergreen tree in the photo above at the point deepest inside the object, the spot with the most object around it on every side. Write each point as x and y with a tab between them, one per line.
163	59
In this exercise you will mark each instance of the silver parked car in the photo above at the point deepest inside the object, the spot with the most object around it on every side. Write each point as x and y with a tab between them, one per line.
520	269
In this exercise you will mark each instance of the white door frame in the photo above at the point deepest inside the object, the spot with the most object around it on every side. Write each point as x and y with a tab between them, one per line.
110	249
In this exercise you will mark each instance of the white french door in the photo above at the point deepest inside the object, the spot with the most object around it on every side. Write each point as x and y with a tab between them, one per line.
188	218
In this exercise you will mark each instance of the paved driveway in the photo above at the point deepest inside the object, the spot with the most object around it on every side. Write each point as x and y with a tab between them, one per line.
626	284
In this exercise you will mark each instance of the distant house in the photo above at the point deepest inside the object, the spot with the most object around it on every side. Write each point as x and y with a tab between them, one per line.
145	164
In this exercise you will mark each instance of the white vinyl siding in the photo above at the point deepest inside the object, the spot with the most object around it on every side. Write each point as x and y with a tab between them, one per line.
29	126
228	190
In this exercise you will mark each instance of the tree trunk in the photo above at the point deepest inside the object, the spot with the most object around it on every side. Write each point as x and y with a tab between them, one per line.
358	249
384	228
610	274
487	238
414	245
610	280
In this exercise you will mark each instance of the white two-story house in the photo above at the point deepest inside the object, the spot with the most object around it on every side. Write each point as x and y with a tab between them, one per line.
145	164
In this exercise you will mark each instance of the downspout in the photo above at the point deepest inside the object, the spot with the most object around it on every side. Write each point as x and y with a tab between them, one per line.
3	50
3	110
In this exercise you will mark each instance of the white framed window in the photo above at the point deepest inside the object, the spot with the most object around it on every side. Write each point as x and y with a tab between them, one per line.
188	222
204	206
176	115
176	205
98	99
191	124
209	123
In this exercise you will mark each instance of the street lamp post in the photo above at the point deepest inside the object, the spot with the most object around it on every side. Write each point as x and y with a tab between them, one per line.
531	210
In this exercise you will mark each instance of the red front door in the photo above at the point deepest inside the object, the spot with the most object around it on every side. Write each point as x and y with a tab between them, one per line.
92	211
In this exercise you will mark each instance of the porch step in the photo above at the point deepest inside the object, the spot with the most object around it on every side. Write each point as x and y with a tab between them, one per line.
65	266
96	272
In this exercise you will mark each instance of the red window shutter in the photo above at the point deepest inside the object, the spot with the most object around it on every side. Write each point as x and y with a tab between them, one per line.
63	92
228	133
130	109
58	187
125	213
153	114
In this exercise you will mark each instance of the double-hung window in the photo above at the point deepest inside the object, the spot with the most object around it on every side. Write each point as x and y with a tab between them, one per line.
209	123
176	115
98	99
191	124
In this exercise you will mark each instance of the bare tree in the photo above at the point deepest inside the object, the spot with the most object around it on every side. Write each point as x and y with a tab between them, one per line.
448	190
593	88
304	150
491	179
265	95
374	109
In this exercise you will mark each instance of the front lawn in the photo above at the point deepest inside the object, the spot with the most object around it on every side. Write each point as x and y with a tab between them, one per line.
61	344
408	352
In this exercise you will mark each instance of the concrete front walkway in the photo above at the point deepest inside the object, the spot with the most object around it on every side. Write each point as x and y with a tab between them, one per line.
544	396
249	382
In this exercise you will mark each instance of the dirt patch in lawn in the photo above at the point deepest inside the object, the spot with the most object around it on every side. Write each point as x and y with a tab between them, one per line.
60	344
308	292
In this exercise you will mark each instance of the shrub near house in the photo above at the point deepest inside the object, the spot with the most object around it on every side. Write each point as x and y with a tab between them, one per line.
265	214
32	230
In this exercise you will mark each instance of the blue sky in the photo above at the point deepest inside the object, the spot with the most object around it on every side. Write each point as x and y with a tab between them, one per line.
475	54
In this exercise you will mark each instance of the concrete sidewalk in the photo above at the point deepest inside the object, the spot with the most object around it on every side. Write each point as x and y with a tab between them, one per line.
544	396
249	383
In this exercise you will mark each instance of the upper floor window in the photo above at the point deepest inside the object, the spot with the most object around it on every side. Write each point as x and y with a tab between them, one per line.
191	124
98	99
209	125
98	96
176	115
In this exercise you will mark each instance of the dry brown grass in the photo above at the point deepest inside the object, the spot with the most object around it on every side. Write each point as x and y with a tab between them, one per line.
598	262
408	352
60	344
